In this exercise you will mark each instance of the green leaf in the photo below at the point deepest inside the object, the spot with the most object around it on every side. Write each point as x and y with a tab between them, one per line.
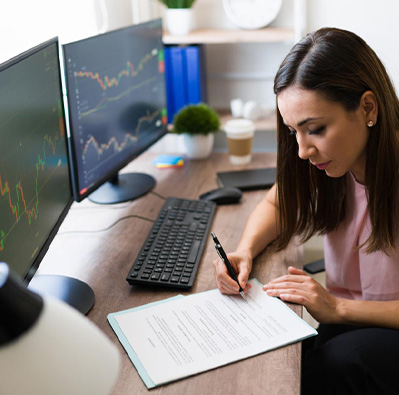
178	3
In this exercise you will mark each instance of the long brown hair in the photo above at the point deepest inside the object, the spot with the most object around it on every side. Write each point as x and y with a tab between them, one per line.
339	66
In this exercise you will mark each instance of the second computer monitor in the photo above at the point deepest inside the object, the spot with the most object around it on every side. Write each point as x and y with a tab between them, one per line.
117	109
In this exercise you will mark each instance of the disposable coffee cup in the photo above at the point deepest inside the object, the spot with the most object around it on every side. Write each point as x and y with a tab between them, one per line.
240	135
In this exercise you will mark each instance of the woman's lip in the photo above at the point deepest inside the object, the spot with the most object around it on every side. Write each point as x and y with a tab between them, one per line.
321	166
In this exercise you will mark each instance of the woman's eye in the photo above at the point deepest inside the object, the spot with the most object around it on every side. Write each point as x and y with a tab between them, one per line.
318	130
292	132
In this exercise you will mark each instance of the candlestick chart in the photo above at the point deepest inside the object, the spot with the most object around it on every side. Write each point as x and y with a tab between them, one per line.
34	175
117	101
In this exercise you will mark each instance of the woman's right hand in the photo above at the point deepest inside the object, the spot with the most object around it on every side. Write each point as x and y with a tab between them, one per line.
242	264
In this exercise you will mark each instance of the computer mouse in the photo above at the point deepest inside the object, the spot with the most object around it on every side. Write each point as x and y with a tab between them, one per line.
223	195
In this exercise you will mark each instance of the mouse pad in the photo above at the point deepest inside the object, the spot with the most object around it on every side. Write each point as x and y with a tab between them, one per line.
247	180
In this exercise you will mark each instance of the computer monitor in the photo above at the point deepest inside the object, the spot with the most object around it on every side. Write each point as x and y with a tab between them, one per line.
35	190
116	93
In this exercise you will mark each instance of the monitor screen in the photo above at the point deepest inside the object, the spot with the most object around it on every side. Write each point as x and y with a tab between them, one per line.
117	108
34	175
34	172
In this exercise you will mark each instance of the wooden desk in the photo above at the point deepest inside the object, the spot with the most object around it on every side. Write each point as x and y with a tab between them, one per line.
103	260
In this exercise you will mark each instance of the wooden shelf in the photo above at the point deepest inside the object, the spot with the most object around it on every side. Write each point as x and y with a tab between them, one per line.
267	124
219	36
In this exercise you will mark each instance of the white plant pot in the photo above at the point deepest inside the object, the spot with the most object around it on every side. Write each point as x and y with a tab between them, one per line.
198	146
179	21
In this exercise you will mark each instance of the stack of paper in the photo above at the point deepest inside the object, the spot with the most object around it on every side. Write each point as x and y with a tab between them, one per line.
183	336
168	161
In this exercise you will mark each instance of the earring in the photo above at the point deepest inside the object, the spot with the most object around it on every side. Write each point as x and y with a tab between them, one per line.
370	124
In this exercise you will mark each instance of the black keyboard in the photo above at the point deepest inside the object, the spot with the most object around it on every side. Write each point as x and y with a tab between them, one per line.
172	251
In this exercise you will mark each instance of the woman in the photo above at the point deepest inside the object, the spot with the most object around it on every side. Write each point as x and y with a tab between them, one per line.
338	175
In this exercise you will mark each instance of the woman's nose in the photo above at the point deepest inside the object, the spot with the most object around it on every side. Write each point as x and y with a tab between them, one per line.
305	149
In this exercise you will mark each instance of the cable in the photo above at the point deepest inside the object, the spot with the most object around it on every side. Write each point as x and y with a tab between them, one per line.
158	195
109	227
101	207
112	207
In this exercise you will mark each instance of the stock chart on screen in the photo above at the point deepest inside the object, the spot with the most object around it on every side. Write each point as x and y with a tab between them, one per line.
116	93
34	175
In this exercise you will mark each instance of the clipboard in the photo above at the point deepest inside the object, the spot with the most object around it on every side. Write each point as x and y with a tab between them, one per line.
247	180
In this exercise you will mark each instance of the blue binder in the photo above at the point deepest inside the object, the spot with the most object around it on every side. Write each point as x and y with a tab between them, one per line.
169	84
176	76
185	81
193	74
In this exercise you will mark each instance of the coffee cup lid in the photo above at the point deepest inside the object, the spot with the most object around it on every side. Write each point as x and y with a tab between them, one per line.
239	128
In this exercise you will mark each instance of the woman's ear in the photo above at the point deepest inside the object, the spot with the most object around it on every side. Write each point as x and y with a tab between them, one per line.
369	106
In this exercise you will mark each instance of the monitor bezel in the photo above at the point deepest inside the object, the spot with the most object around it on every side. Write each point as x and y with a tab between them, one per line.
112	173
6	65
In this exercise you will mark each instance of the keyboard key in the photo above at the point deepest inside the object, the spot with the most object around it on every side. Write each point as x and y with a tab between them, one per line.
194	251
175	279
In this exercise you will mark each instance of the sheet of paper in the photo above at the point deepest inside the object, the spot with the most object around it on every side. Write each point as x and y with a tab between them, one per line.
192	334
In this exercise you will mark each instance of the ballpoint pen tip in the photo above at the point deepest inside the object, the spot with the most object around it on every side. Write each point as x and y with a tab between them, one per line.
243	295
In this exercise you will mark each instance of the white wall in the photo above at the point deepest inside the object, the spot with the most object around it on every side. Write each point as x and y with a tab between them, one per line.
26	23
244	70
375	21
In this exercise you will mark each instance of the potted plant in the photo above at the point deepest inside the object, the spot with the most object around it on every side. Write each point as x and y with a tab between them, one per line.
179	16
197	123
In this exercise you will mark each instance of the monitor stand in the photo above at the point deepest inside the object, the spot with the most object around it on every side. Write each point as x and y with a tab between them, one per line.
123	187
70	290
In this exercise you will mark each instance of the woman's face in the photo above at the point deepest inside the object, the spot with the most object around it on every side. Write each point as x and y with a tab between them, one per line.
331	138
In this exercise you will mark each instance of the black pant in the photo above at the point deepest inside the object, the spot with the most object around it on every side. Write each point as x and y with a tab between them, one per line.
345	359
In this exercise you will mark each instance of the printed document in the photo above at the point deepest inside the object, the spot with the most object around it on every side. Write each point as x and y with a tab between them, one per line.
187	335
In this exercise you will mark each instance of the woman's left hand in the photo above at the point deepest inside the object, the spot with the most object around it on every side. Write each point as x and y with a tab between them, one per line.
298	287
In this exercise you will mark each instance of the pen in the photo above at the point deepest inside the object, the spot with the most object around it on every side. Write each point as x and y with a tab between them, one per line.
223	257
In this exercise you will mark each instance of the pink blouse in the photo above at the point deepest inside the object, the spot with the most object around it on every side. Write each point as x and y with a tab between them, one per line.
351	273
